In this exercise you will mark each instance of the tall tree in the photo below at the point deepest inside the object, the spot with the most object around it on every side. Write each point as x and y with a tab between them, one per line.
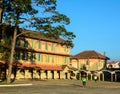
40	15
1	7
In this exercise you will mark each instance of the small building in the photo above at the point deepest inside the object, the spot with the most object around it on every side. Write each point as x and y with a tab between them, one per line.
113	65
89	60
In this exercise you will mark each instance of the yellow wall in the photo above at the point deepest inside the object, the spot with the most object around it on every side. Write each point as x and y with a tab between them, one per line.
92	64
48	52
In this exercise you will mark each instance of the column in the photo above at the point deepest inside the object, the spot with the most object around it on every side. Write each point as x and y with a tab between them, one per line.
111	77
115	77
49	75
102	76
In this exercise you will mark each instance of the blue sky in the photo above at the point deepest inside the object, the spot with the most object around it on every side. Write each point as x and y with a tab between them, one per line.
96	24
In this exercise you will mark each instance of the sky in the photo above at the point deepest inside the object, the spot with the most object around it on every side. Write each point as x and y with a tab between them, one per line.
96	24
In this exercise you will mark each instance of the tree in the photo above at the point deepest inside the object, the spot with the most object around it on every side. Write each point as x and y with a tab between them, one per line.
83	67
1	3
39	15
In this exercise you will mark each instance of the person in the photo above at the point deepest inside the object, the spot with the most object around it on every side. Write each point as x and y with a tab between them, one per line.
95	78
84	79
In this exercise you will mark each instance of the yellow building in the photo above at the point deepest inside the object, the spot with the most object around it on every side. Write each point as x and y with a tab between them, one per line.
89	60
40	57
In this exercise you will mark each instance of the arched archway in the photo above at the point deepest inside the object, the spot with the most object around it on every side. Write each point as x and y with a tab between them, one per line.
117	75
106	75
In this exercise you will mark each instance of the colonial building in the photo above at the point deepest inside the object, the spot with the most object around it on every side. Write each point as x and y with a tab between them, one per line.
37	56
89	60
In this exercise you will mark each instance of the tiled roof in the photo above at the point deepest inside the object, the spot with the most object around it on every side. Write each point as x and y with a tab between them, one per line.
40	66
113	62
49	67
73	68
33	66
91	54
41	36
33	34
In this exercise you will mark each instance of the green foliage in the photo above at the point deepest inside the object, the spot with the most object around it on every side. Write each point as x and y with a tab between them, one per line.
4	50
83	67
38	15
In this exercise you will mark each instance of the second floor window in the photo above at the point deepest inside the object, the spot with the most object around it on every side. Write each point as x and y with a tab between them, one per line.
46	46
25	43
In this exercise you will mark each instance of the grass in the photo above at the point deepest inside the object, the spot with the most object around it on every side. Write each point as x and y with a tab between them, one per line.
12	83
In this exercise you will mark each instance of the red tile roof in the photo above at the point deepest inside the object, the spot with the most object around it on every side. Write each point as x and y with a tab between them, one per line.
41	66
49	67
89	54
34	66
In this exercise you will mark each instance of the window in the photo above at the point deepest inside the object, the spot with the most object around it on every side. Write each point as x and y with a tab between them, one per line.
53	47
38	56
26	56
23	56
25	43
32	44
39	44
65	59
46	46
17	42
18	55
31	56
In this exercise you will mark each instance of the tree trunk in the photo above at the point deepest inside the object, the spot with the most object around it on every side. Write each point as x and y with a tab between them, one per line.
1	11
11	55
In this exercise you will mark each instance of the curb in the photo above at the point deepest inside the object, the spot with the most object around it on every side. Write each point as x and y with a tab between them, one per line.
15	85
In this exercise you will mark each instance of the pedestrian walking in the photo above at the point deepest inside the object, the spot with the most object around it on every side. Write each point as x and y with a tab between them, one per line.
95	78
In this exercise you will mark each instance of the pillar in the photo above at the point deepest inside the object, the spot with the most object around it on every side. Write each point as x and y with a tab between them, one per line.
115	77
55	75
102	76
43	75
111	77
49	75
91	76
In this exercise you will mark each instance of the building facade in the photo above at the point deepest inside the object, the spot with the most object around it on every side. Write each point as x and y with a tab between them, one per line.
89	60
40	57
113	65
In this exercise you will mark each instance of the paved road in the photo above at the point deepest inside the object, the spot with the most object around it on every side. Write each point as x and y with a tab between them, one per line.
63	87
